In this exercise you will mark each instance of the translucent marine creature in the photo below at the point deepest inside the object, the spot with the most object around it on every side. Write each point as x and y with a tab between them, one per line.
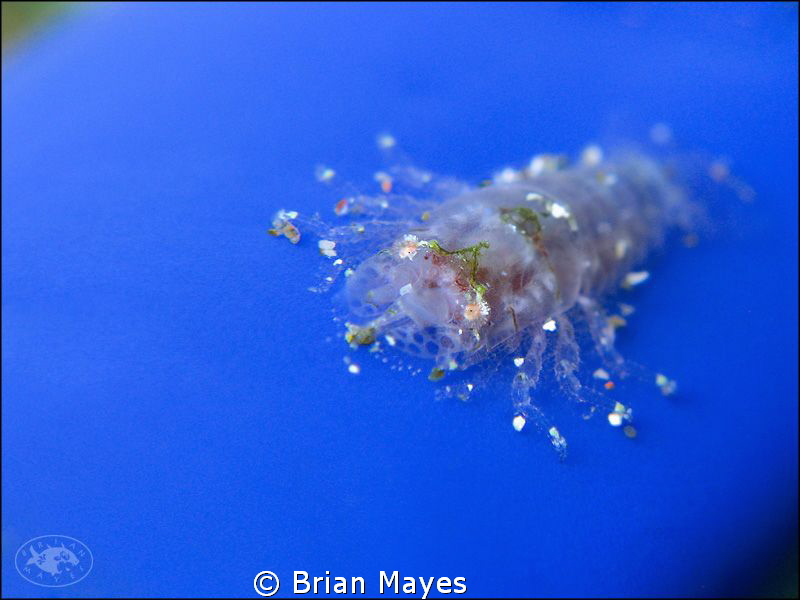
456	273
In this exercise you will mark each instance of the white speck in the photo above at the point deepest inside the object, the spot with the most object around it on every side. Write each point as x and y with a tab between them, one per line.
549	325
626	309
600	374
348	272
573	224
390	340
386	141
592	155
324	173
668	386
406	289
327	248
621	247
507	175
354	369
558	211
338	262
534	197
615	419
556	438
518	422
635	278
538	165
470	387
519	361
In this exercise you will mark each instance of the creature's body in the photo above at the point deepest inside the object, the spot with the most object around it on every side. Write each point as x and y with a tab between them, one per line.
51	559
500	267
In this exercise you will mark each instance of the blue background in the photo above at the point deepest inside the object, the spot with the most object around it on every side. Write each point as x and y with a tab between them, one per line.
169	397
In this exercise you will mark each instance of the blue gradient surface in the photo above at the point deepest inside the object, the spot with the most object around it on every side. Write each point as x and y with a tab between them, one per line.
169	397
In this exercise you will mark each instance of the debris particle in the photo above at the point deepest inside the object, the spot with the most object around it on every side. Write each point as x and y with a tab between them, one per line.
557	439
558	211
629	431
390	340
324	174
386	141
592	155
327	248
342	207
406	289
518	422
601	374
545	163
436	374
385	181
615	321
507	175
635	278
354	369
357	335
621	248
549	325
619	415
519	361
281	226
609	385
626	309
668	386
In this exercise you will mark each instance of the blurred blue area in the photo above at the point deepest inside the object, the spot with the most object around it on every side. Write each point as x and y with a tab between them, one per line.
169	397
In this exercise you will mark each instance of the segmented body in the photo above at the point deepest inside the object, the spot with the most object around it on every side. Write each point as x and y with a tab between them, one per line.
501	266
